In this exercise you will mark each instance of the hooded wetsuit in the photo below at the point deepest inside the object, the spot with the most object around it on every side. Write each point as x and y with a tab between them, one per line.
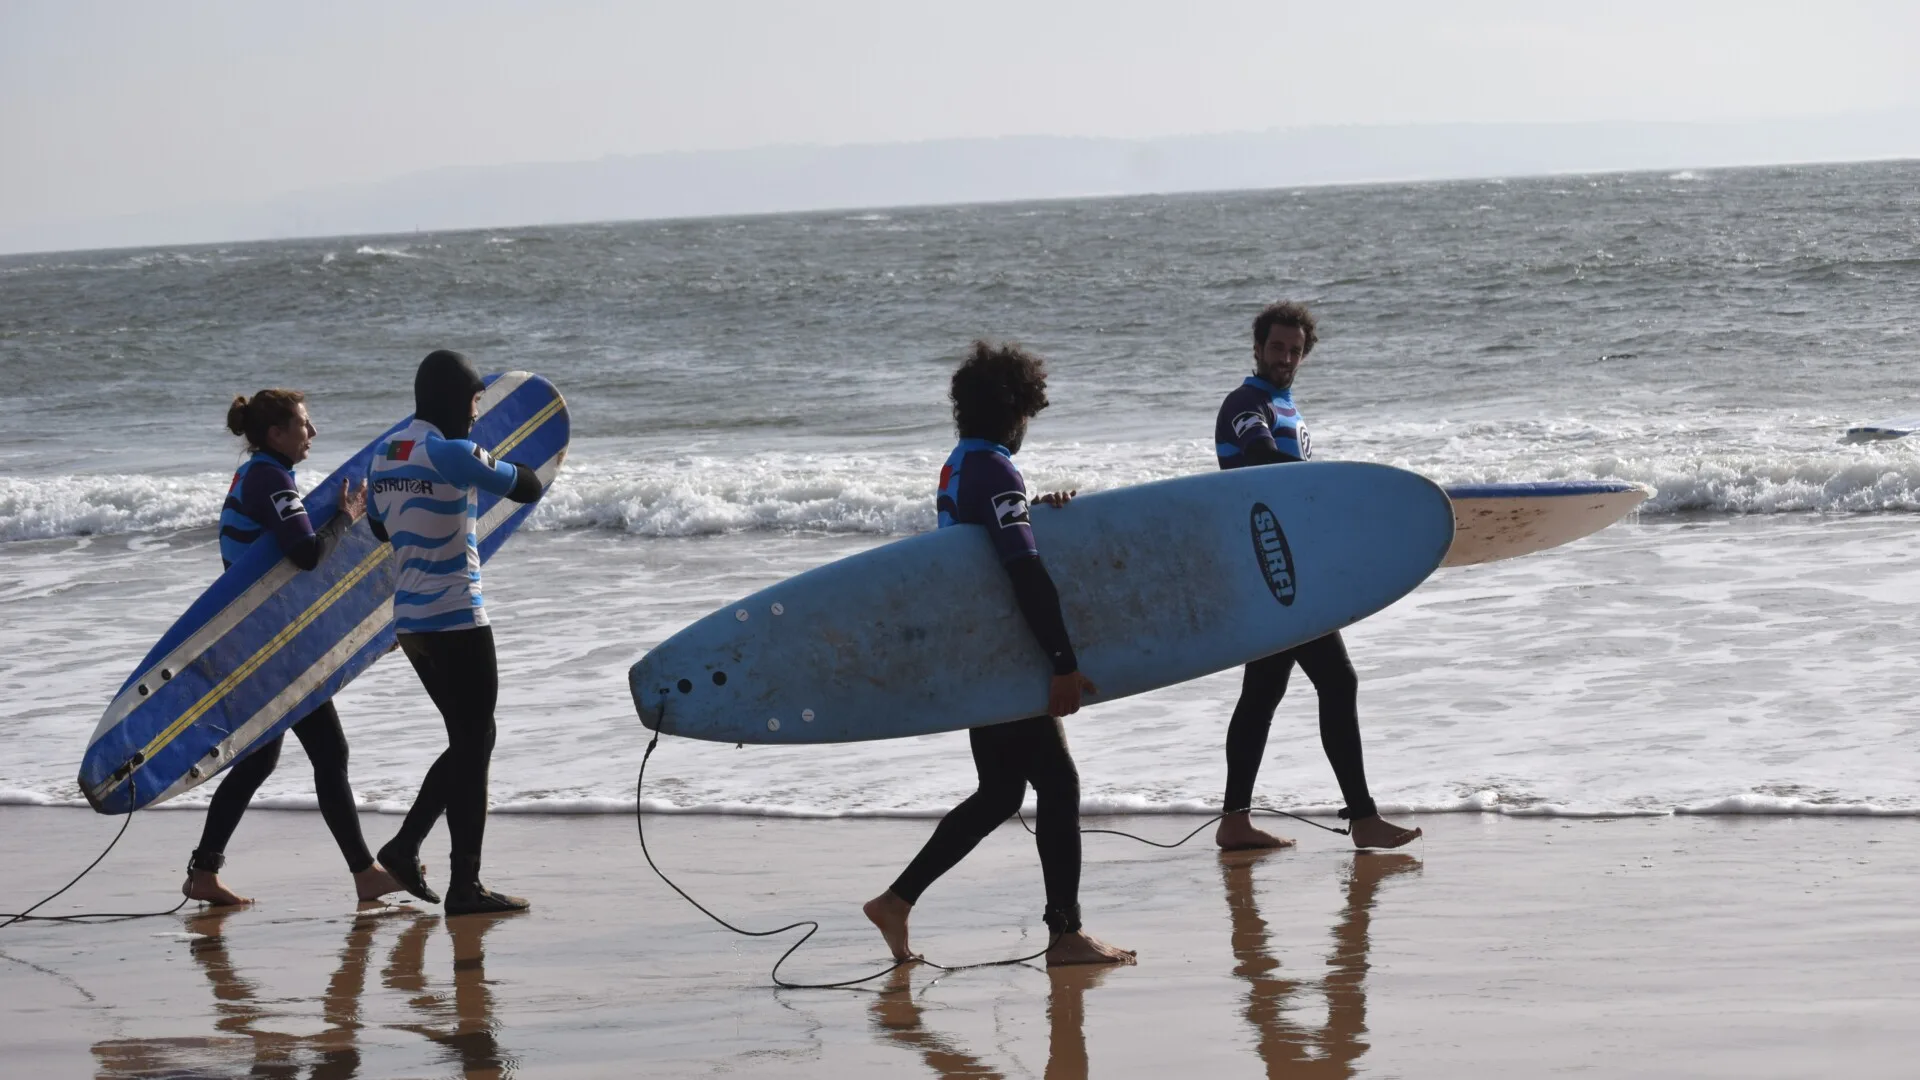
264	500
980	486
422	496
1259	424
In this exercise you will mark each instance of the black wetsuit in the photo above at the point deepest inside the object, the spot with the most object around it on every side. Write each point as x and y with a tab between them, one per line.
1258	425
459	672
980	486
264	498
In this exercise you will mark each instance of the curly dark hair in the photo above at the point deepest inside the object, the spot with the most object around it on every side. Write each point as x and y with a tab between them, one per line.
1285	313
996	390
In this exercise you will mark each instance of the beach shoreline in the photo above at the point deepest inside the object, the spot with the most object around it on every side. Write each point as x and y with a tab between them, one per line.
1672	946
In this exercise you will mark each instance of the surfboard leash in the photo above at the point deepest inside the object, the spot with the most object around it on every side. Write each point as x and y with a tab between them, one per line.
29	916
1022	815
813	927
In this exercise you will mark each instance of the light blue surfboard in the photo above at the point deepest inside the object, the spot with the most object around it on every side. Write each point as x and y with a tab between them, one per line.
1160	583
1504	521
267	643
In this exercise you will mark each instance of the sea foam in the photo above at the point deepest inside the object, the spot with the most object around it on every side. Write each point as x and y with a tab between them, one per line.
892	496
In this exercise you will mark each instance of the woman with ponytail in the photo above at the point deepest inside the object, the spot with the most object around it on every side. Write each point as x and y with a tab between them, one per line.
264	499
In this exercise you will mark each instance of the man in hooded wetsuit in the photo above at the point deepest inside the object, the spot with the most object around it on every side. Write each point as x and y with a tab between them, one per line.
423	490
1259	425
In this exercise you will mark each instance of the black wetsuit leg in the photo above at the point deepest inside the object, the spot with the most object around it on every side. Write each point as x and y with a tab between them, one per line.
1008	757
326	746
459	671
230	800
1325	662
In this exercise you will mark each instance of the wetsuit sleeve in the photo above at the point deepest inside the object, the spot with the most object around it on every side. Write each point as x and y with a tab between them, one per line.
1267	453
994	494
269	496
526	484
467	465
1039	601
1253	436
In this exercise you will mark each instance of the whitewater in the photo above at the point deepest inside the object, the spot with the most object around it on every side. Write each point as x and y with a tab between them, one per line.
756	396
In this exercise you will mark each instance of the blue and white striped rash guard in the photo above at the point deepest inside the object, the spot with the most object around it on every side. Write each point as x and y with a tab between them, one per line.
424	491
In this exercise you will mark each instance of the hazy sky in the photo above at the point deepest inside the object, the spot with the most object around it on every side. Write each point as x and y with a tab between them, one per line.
120	107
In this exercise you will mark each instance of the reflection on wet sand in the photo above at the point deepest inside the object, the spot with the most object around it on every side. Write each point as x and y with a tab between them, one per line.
898	1017
465	1027
1067	1020
1289	1048
249	1045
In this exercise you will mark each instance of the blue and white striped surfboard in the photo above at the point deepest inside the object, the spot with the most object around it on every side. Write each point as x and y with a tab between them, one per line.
266	644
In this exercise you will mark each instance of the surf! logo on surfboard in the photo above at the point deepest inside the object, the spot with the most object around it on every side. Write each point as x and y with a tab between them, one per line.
1276	558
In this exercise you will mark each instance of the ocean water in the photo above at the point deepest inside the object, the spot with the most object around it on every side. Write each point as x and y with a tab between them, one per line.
756	396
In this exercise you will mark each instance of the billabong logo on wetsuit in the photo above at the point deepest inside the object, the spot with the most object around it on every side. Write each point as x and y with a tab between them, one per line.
1246	422
1276	558
288	505
1010	508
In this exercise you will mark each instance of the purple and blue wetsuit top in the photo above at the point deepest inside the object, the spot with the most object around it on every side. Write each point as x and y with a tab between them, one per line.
1259	425
263	498
979	485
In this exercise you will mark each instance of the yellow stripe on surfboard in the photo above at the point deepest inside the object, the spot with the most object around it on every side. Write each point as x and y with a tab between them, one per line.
318	608
528	428
266	652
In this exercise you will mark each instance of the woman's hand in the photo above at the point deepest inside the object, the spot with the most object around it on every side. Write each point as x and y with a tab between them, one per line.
1063	696
1058	499
353	500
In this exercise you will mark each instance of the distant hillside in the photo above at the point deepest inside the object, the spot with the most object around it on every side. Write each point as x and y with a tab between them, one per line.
799	178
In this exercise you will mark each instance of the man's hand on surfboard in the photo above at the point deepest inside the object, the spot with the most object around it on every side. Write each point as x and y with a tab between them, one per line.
1063	697
1057	499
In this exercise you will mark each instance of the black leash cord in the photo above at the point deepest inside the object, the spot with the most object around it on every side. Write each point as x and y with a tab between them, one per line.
1022	814
640	819
29	916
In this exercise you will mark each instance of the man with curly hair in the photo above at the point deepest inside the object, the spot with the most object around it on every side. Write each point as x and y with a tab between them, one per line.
1259	425
995	392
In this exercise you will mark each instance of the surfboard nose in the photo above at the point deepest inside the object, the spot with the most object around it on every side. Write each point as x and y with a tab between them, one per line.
651	693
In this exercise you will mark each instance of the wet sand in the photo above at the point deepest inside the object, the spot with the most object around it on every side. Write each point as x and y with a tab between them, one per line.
1710	947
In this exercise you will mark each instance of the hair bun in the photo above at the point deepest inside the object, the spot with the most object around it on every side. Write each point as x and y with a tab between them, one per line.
237	415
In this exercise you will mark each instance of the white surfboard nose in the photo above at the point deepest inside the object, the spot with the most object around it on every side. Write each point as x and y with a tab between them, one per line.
1504	521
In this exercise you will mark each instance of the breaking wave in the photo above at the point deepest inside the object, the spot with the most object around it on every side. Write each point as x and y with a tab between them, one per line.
890	495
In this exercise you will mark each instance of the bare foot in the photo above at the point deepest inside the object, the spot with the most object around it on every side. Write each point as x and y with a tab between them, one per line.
1377	832
889	913
1237	833
204	886
374	882
1081	947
